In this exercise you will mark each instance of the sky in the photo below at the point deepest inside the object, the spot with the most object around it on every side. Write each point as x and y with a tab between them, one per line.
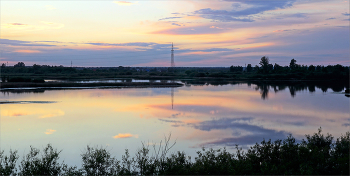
206	33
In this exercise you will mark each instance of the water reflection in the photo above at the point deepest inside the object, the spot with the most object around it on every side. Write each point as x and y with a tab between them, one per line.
264	90
295	87
26	102
21	91
110	80
205	113
172	98
264	87
246	133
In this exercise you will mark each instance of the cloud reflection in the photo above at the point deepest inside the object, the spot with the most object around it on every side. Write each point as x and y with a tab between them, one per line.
251	133
50	131
243	131
125	135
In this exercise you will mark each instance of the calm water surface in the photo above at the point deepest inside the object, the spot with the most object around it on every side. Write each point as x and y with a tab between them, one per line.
196	115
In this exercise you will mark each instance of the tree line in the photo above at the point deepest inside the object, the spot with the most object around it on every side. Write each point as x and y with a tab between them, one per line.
265	70
318	154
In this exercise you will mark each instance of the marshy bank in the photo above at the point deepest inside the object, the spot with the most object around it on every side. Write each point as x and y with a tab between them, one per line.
318	154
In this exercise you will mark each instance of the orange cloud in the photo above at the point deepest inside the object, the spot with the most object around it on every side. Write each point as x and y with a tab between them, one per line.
215	27
125	135
28	51
50	131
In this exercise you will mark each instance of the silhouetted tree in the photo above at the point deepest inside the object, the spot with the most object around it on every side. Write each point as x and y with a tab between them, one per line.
293	64
256	68
249	68
311	68
264	62
318	68
19	64
269	67
236	68
277	67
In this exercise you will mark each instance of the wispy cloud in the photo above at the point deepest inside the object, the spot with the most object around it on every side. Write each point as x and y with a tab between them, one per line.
175	24
17	24
221	15
123	3
18	114
296	15
141	44
14	26
255	7
346	14
346	124
286	30
125	135
195	30
50	131
50	7
168	18
20	43
43	25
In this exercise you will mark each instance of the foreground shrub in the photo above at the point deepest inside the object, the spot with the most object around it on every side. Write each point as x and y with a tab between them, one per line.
99	162
46	164
318	154
8	163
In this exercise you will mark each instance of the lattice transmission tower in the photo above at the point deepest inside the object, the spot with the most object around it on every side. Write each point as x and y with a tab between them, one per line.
172	55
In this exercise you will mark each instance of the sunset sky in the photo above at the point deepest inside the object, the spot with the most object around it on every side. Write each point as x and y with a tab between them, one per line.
204	33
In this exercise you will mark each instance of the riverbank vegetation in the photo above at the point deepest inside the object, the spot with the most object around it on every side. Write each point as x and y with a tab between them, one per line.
263	71
318	154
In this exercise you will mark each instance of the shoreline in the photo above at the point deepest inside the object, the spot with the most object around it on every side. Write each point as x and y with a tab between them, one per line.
62	85
73	85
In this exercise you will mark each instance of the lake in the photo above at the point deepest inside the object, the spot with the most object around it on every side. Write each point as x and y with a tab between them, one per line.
213	114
